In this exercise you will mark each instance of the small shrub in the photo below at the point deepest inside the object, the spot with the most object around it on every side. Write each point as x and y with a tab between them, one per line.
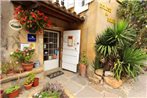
11	89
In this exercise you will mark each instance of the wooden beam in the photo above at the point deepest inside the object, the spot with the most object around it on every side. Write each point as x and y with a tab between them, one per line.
52	10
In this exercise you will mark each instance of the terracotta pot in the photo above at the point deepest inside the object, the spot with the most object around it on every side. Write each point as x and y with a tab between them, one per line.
1	76
10	73
36	82
1	93
13	94
83	70
28	66
29	86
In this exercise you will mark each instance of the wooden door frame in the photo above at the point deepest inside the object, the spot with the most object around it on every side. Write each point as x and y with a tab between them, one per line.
60	30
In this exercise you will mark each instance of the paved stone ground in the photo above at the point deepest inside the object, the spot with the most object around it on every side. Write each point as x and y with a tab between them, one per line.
81	88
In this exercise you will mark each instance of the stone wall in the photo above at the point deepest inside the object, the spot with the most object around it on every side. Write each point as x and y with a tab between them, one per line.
11	40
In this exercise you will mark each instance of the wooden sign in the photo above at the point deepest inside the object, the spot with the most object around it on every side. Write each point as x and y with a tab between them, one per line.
104	7
111	20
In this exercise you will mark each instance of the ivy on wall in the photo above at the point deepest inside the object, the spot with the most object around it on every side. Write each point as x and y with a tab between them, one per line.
135	12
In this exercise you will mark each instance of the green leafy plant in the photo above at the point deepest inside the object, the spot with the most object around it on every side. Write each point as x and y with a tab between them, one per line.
12	89
83	58
29	79
133	60
135	12
51	90
96	63
112	41
118	69
106	43
112	46
7	66
23	56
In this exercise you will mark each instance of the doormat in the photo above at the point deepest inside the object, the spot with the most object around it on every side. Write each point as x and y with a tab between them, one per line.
55	74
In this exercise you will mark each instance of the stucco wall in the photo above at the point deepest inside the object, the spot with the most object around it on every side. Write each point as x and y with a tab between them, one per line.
95	23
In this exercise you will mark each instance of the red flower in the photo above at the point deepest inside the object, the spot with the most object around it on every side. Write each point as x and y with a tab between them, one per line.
45	18
33	15
27	17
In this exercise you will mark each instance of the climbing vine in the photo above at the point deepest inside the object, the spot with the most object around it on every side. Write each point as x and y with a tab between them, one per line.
135	12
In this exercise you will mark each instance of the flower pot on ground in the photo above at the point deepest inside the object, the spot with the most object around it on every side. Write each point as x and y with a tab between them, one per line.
36	82
24	57
1	93
29	81
10	72
28	86
8	67
83	64
13	91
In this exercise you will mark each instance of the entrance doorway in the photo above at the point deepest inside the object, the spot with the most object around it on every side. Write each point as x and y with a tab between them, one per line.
51	50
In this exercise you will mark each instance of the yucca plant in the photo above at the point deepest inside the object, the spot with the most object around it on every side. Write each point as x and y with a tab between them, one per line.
118	69
113	40
133	60
130	64
124	34
106	44
112	44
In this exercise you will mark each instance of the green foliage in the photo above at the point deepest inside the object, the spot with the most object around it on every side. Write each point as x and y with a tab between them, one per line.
123	34
96	63
135	12
118	69
9	66
5	68
130	64
23	56
52	90
29	79
134	56
45	94
83	58
115	38
111	46
12	89
106	44
133	60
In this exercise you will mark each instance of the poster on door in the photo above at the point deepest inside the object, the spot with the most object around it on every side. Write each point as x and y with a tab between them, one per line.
70	41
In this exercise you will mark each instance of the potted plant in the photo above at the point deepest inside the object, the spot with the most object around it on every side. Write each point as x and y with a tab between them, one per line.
83	64
13	91
24	57
29	81
1	93
36	82
8	67
32	20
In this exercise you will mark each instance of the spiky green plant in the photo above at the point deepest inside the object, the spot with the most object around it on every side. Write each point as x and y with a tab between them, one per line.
112	45
133	60
130	64
113	38
118	69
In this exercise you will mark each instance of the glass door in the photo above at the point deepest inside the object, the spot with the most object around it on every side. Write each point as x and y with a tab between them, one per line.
51	50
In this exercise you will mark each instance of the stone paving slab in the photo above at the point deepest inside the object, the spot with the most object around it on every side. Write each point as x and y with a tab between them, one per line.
88	92
80	80
81	88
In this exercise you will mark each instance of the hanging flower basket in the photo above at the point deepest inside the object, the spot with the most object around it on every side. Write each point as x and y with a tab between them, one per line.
32	28
31	20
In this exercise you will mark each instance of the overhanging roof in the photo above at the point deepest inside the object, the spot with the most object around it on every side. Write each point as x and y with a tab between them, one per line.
52	9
